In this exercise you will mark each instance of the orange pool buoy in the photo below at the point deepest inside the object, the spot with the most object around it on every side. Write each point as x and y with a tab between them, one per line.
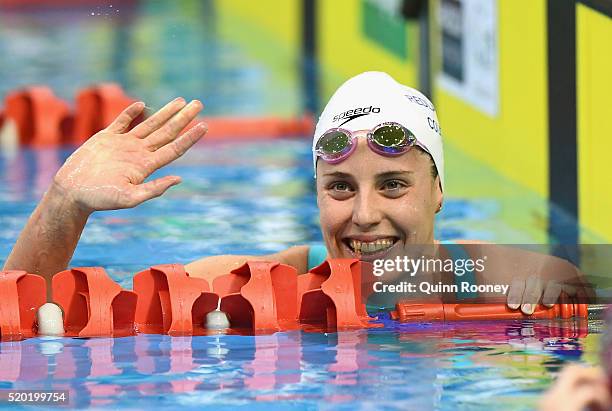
42	118
171	302
331	294
96	107
93	304
220	128
22	294
410	311
259	295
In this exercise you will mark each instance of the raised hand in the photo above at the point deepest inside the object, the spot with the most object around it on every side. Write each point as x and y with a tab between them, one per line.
108	171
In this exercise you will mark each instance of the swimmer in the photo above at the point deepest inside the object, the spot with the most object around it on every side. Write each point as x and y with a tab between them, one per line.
378	164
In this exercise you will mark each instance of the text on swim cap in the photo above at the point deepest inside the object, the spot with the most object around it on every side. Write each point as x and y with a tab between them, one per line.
354	113
420	101
434	125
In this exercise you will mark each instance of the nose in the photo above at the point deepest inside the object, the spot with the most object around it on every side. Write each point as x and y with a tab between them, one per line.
366	211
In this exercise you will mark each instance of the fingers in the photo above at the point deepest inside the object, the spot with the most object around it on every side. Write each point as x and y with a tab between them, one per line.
174	126
178	147
158	119
532	294
525	294
125	118
515	293
552	293
152	189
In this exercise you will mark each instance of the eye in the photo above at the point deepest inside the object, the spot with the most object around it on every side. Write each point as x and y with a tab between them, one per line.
340	186
394	188
393	185
340	190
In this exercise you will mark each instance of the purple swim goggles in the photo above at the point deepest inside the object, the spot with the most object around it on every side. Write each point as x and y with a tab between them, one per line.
387	139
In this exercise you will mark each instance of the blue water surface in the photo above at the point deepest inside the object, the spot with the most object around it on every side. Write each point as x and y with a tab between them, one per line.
471	366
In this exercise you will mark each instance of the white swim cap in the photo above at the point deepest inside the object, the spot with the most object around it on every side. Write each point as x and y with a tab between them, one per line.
374	97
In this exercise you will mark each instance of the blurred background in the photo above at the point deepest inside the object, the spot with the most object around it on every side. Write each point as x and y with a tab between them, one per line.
521	88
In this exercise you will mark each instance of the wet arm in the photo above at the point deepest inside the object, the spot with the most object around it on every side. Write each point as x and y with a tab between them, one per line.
47	243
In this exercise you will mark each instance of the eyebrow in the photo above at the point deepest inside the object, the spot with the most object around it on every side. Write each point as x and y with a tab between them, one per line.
340	174
394	173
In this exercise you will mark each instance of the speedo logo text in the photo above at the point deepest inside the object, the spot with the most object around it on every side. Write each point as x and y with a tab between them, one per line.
349	115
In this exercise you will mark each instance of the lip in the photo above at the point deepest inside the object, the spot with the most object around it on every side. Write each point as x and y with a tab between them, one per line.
369	238
370	257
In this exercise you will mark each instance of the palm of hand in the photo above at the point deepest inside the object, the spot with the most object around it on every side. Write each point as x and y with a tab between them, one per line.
108	171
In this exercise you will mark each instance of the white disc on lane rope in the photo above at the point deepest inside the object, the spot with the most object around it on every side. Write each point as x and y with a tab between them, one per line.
217	320
50	320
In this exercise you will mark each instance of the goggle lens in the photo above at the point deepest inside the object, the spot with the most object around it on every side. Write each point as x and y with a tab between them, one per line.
333	144
392	138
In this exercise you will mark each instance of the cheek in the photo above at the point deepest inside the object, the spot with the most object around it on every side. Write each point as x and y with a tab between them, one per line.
333	214
407	214
411	212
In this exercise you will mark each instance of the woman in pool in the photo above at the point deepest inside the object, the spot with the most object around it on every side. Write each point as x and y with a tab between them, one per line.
379	168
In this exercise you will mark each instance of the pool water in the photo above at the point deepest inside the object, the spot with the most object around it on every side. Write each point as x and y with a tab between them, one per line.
258	198
471	366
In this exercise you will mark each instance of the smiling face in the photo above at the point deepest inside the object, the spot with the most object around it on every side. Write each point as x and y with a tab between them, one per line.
373	206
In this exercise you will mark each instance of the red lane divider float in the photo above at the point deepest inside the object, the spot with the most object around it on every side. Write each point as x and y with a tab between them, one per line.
21	296
220	128
260	296
171	302
96	108
330	294
44	120
93	304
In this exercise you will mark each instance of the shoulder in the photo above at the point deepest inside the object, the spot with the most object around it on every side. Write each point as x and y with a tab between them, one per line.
534	258
214	266
296	256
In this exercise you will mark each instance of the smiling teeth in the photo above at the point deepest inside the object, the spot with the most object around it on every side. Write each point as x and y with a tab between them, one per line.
370	247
